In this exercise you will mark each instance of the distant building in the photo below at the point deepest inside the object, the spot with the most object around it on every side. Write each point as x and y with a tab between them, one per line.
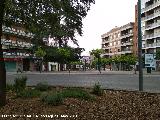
16	45
118	41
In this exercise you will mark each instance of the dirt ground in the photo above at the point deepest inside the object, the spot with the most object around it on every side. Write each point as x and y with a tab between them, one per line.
113	105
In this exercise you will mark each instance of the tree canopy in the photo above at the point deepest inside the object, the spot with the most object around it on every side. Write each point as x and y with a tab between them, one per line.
63	55
61	19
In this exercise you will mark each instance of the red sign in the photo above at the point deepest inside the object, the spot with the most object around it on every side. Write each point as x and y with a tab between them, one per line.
11	59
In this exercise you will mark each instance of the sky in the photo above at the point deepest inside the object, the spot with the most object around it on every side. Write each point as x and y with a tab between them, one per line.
102	17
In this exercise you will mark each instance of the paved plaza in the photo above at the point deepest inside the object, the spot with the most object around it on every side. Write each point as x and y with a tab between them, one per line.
124	80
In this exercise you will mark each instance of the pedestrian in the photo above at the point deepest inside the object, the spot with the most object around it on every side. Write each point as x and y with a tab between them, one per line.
135	69
110	67
19	69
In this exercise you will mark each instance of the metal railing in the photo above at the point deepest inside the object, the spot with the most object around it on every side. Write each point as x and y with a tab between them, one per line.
150	7
16	32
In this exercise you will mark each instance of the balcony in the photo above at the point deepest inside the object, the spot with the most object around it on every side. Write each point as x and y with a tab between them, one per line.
126	51
126	35
105	41
151	36
128	27
153	45
16	32
105	54
150	7
127	43
16	44
151	16
152	26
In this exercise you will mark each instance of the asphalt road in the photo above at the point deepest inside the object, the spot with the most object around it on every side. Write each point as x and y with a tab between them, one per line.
123	81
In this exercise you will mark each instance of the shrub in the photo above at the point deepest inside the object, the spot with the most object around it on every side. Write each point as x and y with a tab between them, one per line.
97	90
52	98
42	86
29	93
20	83
76	93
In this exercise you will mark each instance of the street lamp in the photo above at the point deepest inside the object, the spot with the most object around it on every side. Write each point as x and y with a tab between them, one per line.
140	48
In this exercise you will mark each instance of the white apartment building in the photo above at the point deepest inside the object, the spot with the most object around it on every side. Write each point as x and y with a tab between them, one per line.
150	25
118	41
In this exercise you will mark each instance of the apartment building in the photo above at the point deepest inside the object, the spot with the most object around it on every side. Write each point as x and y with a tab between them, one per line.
118	41
150	25
16	44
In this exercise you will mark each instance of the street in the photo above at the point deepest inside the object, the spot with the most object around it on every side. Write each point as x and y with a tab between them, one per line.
124	80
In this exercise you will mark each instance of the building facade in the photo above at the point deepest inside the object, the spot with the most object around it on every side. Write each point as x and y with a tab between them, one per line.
118	41
150	25
16	45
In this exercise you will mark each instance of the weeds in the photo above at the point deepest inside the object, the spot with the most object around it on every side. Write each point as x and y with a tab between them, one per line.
20	83
97	90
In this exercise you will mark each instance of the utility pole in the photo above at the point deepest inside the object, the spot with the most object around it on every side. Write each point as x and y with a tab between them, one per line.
2	63
140	48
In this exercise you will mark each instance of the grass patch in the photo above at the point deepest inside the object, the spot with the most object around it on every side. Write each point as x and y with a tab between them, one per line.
43	86
57	98
29	93
76	93
52	98
20	83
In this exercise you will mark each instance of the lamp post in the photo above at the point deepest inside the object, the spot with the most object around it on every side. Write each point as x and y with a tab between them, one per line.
140	48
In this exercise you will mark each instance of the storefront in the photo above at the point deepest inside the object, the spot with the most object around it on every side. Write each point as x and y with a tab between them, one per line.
12	63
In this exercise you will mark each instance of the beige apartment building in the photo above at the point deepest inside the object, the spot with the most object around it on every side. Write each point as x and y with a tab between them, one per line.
150	25
16	45
118	41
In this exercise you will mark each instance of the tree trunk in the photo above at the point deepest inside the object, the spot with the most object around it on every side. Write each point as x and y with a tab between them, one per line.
2	64
60	42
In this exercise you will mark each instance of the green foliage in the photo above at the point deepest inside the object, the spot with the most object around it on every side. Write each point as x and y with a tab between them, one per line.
76	93
40	52
28	93
20	83
158	55
42	86
59	18
76	63
96	52
62	55
52	98
10	87
97	90
105	61
130	59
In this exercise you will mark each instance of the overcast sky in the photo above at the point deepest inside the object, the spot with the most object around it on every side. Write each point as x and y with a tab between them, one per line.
103	16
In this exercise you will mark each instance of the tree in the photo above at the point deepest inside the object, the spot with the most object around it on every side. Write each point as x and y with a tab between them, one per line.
97	53
58	18
40	53
104	62
64	55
